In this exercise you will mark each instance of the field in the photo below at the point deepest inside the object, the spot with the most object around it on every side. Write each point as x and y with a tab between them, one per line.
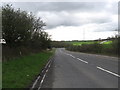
19	73
81	42
107	47
107	42
88	42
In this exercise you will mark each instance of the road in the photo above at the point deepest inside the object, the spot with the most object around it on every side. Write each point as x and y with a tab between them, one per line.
80	70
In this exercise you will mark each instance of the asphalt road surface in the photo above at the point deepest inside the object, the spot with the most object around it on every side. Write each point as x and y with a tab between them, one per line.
80	70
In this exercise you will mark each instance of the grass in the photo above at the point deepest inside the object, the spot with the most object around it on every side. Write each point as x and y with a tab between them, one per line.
19	73
108	42
98	47
105	46
81	42
88	42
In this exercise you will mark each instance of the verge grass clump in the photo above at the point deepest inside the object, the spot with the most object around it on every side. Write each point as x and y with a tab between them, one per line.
19	73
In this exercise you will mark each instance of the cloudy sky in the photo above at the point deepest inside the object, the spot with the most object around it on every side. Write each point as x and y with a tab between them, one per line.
75	20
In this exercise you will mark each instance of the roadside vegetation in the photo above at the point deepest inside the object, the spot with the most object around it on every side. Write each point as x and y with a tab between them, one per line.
106	47
27	48
109	47
20	72
81	42
24	33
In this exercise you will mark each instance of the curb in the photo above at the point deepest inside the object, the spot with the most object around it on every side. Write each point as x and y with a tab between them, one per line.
41	76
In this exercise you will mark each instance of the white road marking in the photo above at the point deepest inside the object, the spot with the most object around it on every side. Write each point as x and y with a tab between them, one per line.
108	71
72	56
82	60
77	58
35	82
97	66
49	66
42	81
46	70
68	54
33	86
44	77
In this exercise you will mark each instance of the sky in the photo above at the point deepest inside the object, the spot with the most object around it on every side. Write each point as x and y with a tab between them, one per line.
75	20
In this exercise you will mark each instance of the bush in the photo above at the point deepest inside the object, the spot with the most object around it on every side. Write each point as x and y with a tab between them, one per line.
22	30
95	48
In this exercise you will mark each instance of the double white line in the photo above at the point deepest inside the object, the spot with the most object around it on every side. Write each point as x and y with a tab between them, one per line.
36	81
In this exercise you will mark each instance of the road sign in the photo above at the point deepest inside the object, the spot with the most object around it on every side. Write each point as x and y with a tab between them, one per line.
2	41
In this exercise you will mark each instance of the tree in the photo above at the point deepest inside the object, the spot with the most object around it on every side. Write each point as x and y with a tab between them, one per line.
21	29
16	26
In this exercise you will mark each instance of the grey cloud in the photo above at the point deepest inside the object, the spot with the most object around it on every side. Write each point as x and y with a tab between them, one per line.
64	18
60	6
110	26
55	16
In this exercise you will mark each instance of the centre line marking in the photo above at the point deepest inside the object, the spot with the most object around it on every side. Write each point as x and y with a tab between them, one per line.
72	56
68	54
82	60
108	71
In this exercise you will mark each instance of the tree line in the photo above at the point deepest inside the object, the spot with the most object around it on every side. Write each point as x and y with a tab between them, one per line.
109	49
22	29
96	47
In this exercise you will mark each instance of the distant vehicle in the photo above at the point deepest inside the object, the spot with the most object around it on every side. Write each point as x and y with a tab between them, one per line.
2	41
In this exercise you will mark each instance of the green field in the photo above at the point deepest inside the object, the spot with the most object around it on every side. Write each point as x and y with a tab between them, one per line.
88	42
105	44
19	73
106	47
82	42
108	42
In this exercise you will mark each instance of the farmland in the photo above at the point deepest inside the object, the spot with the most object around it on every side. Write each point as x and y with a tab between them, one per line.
88	42
107	47
81	42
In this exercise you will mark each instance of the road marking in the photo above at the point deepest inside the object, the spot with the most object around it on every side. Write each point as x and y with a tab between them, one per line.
108	71
36	81
72	56
44	76
82	60
49	66
68	54
46	70
42	81
97	66
77	58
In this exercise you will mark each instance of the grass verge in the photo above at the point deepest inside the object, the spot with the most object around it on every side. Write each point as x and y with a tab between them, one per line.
19	73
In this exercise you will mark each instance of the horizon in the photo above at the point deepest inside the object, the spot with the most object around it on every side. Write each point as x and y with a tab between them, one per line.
75	20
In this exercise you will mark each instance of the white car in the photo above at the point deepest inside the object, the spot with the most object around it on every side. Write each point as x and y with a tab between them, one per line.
2	41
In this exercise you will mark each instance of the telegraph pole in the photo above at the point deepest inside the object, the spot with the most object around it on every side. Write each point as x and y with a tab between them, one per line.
83	34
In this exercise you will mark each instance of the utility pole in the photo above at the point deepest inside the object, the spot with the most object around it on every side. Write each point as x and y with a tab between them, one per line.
83	34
